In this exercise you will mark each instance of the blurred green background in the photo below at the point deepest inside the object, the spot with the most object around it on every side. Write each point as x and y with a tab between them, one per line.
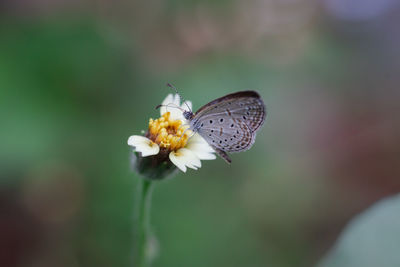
77	78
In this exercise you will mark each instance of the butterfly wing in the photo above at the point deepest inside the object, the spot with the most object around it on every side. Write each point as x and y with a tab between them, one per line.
246	106
225	138
229	123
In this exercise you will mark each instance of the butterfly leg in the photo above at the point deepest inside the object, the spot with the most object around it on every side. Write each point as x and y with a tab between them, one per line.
222	154
182	125
183	134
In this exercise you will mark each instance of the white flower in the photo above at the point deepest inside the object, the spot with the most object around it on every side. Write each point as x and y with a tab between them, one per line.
170	138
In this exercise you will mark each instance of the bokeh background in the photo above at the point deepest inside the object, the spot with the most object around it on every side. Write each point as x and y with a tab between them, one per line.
77	78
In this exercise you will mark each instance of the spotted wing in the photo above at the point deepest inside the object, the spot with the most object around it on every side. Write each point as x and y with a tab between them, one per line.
232	136
229	123
245	106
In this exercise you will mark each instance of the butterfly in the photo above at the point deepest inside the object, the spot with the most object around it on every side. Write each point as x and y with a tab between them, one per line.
229	123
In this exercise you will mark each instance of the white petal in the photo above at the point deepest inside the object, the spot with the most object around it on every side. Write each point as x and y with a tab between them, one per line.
187	107
184	157
197	139
171	104
196	142
205	156
143	145
149	150
200	148
177	100
177	160
176	113
192	161
137	140
169	99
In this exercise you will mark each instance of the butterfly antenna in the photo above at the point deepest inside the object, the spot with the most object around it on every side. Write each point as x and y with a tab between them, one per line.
169	106
182	99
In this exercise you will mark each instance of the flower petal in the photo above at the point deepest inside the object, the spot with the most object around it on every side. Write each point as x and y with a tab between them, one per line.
196	138
176	113
192	161
171	104
169	99
200	148
198	143
184	157
201	151
149	150
143	145
177	159
137	139
187	107
177	100
205	156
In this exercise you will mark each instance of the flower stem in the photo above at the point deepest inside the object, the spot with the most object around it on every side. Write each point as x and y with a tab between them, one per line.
145	188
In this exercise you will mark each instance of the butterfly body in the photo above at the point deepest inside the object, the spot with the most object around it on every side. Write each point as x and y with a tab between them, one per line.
229	123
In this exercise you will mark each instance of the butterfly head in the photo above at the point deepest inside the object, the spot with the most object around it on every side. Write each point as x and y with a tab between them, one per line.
188	115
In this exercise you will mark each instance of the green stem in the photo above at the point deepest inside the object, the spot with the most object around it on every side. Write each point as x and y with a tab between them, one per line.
146	187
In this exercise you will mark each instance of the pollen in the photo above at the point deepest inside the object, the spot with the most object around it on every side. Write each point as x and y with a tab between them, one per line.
168	133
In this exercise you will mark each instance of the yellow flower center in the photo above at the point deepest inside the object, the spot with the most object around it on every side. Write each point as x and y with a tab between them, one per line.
167	133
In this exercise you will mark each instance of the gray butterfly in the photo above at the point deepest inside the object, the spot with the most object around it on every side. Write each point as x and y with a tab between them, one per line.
229	123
